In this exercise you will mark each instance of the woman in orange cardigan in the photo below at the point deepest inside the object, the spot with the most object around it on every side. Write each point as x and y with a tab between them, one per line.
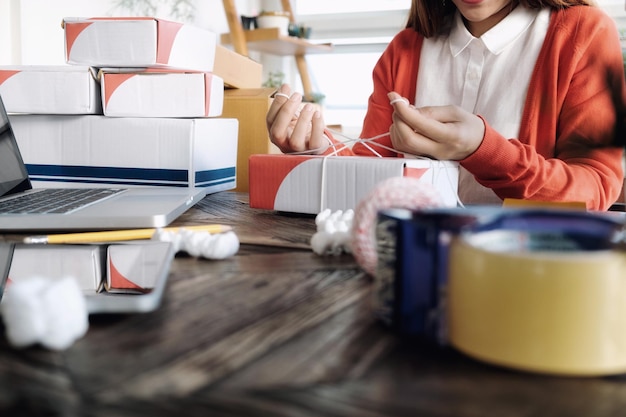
528	95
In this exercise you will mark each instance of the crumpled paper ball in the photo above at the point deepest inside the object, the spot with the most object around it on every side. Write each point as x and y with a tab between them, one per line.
333	232
201	244
50	312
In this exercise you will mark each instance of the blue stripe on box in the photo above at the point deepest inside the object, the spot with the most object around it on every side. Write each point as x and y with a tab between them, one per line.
215	177
128	176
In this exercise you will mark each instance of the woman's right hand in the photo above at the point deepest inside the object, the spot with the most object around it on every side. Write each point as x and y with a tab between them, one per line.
293	128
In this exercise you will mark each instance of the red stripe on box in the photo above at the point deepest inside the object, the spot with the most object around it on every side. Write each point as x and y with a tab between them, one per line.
414	172
266	174
166	34
6	74
119	281
72	31
112	82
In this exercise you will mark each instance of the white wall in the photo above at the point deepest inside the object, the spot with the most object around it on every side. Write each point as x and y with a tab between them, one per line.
9	31
41	31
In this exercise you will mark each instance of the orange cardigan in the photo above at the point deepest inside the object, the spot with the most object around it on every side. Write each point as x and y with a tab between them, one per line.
572	122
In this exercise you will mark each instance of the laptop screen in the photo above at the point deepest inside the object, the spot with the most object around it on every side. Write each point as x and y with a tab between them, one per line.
13	174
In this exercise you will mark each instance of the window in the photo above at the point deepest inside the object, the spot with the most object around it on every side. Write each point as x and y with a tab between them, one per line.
359	31
617	10
346	81
308	7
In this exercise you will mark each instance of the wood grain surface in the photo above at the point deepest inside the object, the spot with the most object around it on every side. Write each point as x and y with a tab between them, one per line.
253	226
274	331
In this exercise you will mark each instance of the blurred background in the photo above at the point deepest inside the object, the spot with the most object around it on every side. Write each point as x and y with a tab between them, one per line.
31	34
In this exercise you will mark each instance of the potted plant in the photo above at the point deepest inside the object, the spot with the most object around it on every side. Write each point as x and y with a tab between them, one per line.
274	19
315	97
182	10
274	79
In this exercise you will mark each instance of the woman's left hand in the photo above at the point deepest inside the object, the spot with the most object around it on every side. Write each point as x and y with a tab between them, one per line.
440	132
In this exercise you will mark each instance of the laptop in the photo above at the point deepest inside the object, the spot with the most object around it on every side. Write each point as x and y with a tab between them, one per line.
102	209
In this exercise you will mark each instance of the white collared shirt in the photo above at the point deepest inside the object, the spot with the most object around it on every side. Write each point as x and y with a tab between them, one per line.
487	75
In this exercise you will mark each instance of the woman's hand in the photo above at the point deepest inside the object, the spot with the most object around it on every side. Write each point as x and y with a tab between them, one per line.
440	132
294	128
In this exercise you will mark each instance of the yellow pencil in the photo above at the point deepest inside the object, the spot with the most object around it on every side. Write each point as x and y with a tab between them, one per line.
119	235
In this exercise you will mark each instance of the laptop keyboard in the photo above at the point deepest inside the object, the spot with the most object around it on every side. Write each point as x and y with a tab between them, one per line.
51	200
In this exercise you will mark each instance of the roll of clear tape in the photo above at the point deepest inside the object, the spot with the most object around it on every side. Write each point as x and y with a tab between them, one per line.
513	302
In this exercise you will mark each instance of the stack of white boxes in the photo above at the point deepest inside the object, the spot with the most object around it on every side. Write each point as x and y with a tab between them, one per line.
138	105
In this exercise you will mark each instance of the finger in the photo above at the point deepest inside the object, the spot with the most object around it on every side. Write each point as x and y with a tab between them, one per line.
279	128
395	98
318	141
280	97
427	121
301	131
443	114
407	140
283	91
406	112
419	118
459	131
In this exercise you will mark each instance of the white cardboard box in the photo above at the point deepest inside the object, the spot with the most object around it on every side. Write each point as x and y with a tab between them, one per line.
50	89
155	93
309	184
135	267
84	151
138	42
84	263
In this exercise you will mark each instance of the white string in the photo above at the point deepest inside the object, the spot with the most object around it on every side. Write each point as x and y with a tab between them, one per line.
399	100
345	143
456	195
365	142
323	185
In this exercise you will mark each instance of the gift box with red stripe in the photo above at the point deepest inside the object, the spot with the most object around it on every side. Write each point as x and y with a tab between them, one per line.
161	93
138	42
310	184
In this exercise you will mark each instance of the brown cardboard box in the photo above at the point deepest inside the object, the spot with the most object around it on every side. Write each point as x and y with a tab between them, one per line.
249	106
236	70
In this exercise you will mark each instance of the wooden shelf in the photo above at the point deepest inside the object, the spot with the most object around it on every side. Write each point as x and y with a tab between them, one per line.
270	41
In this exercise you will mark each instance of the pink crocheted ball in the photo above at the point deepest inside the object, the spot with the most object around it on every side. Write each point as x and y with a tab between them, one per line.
396	192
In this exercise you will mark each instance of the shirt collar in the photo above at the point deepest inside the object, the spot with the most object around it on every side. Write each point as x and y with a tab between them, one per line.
498	37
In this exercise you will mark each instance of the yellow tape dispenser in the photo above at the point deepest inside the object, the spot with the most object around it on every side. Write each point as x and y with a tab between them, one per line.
542	292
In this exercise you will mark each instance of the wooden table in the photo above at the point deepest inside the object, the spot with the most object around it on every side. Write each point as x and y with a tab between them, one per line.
274	331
